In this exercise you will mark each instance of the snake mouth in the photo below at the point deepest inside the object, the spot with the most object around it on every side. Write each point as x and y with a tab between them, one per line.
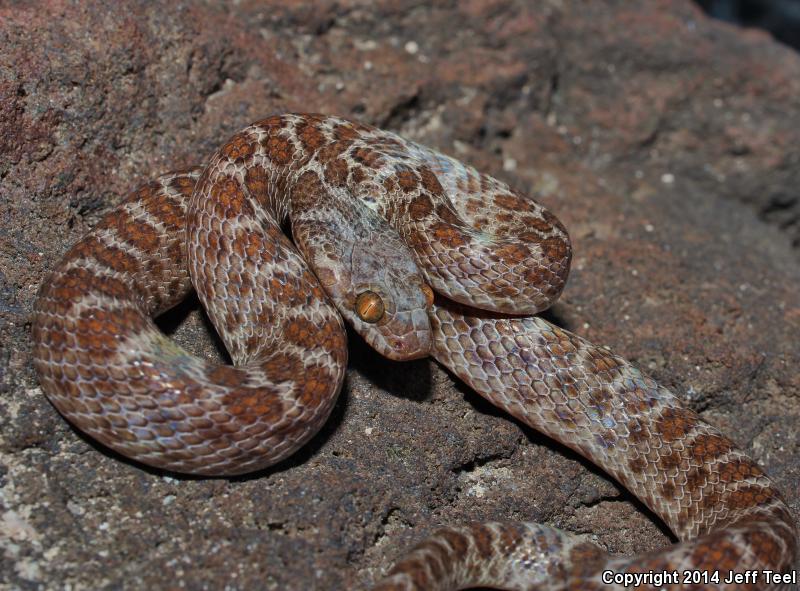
408	348
405	336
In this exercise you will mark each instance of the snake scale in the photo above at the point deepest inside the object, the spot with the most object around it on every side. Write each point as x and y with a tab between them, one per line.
376	221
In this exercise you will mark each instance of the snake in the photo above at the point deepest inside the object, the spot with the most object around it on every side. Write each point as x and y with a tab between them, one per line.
302	222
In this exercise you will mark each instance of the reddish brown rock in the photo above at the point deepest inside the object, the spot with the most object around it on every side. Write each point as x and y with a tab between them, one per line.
666	143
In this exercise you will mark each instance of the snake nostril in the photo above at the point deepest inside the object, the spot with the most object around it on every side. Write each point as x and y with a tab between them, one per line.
428	294
369	306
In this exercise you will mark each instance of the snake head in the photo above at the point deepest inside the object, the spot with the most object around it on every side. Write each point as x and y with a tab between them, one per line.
369	274
387	302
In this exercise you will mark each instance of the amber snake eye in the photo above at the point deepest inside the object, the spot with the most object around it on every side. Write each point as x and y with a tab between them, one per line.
369	306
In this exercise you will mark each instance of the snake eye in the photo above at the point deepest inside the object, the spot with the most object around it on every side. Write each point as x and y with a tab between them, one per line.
369	306
428	294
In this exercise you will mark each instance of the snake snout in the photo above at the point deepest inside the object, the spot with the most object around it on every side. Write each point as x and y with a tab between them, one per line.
414	345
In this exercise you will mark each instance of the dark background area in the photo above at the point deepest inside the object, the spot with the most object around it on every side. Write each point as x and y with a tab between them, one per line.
779	17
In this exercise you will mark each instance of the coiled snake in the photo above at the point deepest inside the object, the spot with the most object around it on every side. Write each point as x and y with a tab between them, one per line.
375	220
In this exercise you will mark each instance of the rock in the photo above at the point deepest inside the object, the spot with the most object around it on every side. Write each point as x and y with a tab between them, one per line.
666	142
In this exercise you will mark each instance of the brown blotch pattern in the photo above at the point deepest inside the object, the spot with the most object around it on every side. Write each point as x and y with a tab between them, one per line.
109	256
447	235
706	447
539	224
420	207
303	333
134	231
674	424
73	283
445	212
238	148
721	554
257	181
510	537
670	461
168	211
457	541
483	538
357	175
282	367
511	252
230	199
738	470
637	465
254	404
336	172
746	497
407	180
668	490
697	477
225	375
429	181
347	132
183	183
332	151
368	158
765	547
306	190
316	380
511	202
555	249
586	557
279	149
310	136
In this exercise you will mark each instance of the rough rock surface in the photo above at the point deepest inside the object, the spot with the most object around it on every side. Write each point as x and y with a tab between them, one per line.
667	143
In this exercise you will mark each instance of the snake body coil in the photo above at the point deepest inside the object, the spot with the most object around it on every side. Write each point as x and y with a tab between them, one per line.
375	220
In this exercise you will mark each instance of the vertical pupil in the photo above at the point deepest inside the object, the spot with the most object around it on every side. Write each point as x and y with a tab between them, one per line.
369	306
